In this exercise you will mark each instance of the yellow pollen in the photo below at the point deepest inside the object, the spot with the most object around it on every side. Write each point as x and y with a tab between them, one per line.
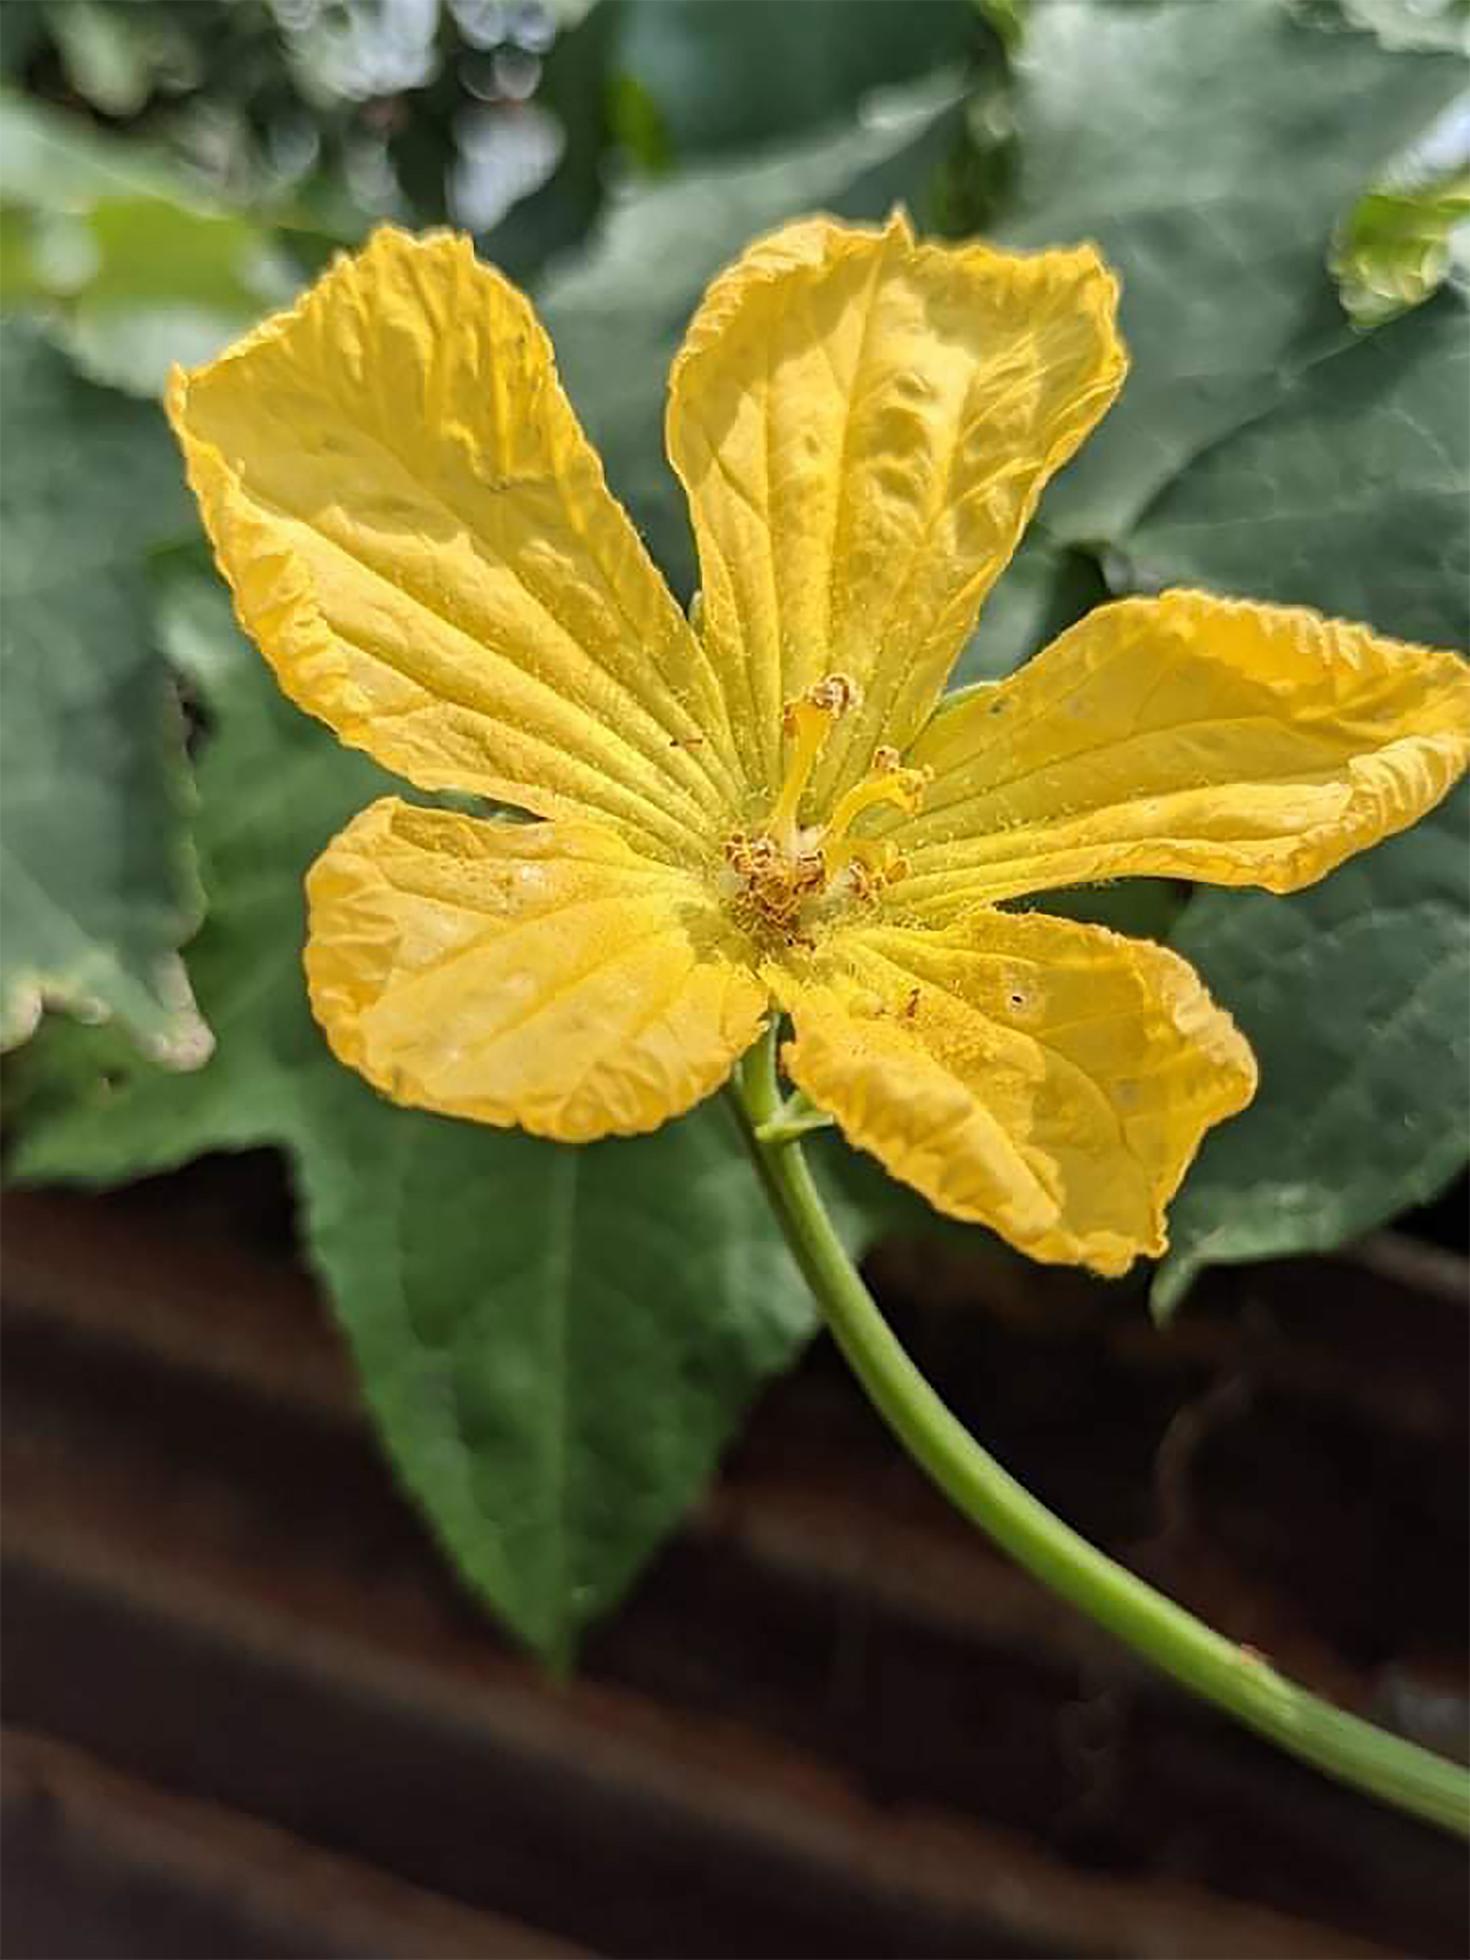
865	865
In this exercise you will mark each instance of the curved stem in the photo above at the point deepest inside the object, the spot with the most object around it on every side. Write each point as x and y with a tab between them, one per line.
1233	1677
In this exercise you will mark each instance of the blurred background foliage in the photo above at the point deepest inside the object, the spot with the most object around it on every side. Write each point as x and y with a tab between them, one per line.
1282	185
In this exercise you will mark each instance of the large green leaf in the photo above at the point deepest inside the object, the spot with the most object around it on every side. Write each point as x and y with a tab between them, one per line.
1354	998
725	75
555	1342
617	315
1352	496
1210	147
1215	151
97	889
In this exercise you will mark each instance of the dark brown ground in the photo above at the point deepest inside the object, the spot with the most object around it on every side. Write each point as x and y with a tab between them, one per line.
250	1714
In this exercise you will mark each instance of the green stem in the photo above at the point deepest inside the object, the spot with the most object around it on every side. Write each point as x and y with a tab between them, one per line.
1233	1677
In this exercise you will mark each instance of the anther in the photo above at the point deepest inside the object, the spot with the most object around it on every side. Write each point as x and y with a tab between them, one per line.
864	866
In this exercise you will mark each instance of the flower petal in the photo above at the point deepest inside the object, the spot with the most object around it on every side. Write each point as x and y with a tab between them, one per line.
864	425
420	539
1185	736
540	975
1048	1079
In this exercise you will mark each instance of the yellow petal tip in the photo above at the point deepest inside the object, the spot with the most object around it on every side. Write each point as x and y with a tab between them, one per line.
1050	1080
540	976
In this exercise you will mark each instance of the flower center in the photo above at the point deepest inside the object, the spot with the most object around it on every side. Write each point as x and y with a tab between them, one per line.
786	878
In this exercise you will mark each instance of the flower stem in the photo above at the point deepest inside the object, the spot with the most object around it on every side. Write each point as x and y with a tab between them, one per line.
1233	1677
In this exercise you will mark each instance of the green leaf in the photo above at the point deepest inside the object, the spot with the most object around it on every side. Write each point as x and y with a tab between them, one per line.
135	271
98	889
1263	449
22	33
1143	908
1400	23
618	313
1349	496
1046	588
166	285
1259	448
52	161
1352	496
556	1343
723	75
1210	151
1353	995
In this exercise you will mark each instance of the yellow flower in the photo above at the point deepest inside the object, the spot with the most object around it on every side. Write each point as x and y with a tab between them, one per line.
774	804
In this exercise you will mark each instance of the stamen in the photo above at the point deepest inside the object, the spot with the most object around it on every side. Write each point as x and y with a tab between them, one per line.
864	866
886	784
808	721
784	883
